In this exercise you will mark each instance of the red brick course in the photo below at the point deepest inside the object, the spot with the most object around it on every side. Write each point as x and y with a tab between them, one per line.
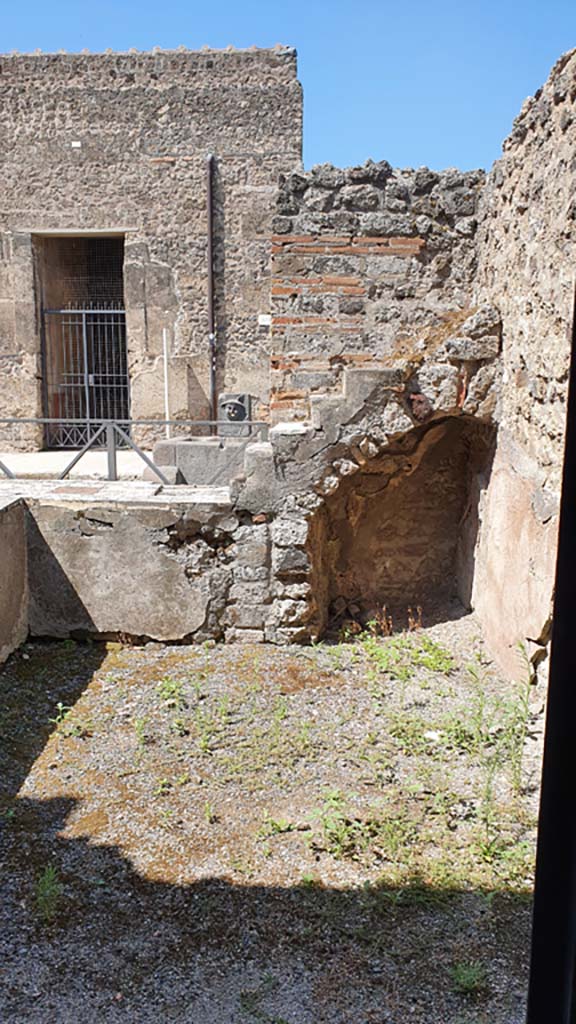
347	244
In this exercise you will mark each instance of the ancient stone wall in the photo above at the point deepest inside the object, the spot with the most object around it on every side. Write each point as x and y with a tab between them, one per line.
13	578
368	263
168	571
380	478
415	316
117	143
527	268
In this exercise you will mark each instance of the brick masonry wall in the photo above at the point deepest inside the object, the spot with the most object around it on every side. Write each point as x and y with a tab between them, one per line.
142	125
368	261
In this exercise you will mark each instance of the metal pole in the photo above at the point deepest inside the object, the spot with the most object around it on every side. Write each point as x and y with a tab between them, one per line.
551	997
91	440
155	469
45	373
111	450
166	389
210	268
86	377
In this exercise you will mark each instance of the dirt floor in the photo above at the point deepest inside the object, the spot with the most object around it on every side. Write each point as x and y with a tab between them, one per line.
341	834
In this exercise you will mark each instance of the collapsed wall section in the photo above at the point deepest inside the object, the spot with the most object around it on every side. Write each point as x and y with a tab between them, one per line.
391	523
165	572
527	267
375	500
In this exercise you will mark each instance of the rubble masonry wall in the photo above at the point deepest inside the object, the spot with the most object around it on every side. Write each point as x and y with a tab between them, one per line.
369	264
527	269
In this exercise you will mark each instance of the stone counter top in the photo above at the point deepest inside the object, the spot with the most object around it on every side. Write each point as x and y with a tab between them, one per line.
125	493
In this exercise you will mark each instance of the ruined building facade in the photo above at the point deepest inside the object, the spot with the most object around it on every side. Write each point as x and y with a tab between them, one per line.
406	335
103	202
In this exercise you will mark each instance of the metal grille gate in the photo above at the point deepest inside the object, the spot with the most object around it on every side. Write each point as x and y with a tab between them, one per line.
85	372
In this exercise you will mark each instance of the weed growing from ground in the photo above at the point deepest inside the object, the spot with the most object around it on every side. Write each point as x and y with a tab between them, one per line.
67	724
206	728
250	1000
380	770
274	826
393	835
9	814
62	712
308	881
400	656
413	892
340	835
210	816
141	735
223	709
469	977
171	692
410	732
180	726
382	624
516	719
49	892
385	834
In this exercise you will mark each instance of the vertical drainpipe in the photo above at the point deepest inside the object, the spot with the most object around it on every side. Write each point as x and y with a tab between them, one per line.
210	261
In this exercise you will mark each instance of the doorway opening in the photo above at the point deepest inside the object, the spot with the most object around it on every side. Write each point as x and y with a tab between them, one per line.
83	323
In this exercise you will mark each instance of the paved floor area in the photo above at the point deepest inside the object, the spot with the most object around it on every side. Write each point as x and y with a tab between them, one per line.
92	465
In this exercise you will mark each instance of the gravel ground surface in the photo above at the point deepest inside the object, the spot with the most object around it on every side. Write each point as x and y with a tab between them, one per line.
341	834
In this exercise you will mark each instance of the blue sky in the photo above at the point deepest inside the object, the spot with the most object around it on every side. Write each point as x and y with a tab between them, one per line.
419	82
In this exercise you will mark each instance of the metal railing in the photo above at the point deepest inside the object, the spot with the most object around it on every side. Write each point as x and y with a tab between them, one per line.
112	434
85	371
